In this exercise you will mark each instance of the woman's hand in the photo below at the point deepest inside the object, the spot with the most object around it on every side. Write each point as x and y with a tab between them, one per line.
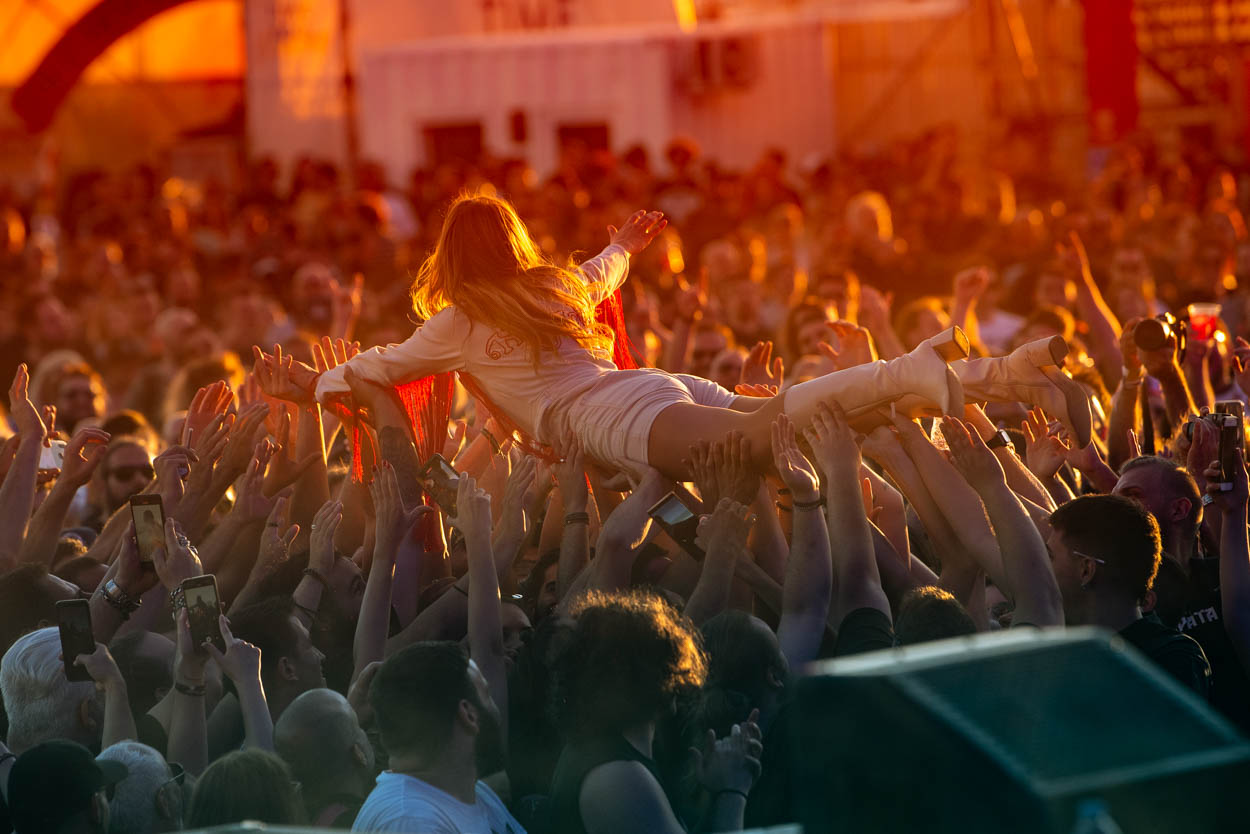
638	231
283	378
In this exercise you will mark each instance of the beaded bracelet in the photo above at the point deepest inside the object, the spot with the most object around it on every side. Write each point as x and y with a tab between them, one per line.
811	505
192	691
576	518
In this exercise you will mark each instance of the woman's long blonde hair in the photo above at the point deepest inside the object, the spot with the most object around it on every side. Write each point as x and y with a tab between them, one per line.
488	266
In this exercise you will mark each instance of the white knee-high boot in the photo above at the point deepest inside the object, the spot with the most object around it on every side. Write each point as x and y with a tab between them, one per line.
917	383
1031	374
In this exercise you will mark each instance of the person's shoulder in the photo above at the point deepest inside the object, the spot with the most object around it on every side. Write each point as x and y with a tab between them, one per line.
501	818
397	805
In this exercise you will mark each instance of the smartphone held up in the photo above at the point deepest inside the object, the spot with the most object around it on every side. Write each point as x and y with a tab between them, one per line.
148	514
203	610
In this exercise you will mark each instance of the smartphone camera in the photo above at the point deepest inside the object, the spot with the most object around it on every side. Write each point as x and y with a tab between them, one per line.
441	481
680	521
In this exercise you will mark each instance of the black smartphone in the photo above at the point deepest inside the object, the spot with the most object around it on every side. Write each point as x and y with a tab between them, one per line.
674	512
149	517
441	481
203	609
73	618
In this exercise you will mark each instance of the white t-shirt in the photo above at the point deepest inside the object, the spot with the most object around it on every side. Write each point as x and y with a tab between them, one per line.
402	803
450	341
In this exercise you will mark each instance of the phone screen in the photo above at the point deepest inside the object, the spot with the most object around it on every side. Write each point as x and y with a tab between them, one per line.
52	456
672	511
679	521
149	518
73	617
203	609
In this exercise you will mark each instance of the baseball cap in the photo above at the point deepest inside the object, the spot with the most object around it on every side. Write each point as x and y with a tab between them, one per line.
55	780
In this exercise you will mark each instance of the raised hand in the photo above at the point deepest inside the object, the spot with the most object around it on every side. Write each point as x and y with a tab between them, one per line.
854	345
284	470
251	503
970	285
570	474
638	231
324	526
795	470
282	377
134	576
241	660
760	368
82	455
971	457
102	668
391	521
832	441
703	473
727	526
276	539
209	402
177	559
1044	453
330	354
736	477
173	468
22	411
733	762
472	508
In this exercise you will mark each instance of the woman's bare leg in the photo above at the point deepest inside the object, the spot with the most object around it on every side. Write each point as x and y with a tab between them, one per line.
681	425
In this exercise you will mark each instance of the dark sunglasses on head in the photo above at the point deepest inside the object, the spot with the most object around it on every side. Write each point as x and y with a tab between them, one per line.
125	473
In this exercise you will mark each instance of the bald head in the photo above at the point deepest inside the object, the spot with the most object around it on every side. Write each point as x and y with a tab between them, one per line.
320	739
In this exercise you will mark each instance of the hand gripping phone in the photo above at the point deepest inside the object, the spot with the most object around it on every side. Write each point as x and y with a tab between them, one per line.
149	517
73	618
203	609
674	512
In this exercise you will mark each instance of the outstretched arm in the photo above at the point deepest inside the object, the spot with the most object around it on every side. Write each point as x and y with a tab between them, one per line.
1028	576
726	534
17	494
485	618
855	562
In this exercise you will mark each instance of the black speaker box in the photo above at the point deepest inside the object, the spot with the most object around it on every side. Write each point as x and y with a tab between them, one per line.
1008	732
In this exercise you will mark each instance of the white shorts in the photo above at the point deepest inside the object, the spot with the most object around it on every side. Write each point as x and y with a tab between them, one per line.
613	419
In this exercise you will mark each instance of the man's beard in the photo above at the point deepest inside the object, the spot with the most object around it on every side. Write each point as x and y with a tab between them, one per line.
489	749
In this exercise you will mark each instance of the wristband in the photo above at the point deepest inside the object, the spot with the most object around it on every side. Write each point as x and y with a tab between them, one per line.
4	757
811	505
732	791
576	518
999	440
1207	499
193	691
317	576
785	508
1130	380
119	599
177	599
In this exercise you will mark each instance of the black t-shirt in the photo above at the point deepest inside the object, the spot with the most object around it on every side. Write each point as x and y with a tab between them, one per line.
1202	619
1177	654
864	630
577	760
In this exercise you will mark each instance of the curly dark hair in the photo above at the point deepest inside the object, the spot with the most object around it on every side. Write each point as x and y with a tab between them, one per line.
629	655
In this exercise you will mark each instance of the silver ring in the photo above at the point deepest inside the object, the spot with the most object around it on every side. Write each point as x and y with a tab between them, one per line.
312	527
183	540
192	550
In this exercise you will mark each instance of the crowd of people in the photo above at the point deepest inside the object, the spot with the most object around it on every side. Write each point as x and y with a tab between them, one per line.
521	648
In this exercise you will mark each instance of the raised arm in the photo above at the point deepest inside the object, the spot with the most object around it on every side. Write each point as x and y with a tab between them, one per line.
809	575
723	536
850	535
119	721
241	663
1028	576
575	495
1234	556
83	454
1104	328
485	617
17	494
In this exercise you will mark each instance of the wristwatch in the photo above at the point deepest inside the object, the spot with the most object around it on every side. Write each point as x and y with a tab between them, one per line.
999	440
119	599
